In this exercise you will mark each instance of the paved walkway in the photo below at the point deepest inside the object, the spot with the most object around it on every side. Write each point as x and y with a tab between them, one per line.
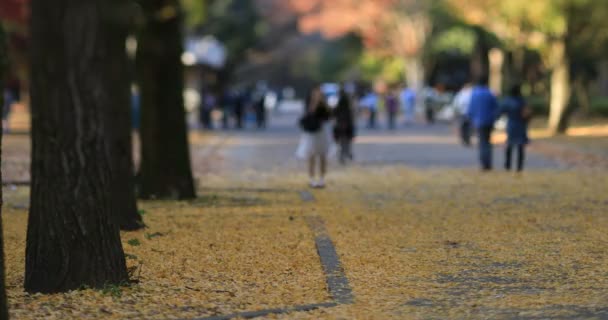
418	146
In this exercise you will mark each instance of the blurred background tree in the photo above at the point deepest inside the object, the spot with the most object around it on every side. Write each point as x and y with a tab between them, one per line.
395	28
554	28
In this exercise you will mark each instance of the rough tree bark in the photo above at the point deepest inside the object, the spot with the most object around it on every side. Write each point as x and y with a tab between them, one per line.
3	302
165	170
561	89
121	144
72	238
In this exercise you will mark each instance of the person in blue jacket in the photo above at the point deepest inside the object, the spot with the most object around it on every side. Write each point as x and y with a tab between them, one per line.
482	113
518	114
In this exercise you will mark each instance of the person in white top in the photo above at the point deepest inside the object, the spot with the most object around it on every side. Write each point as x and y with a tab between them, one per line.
462	100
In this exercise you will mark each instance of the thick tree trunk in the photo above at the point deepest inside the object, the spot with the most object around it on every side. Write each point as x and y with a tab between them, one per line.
72	238
165	171
560	90
121	146
414	74
3	302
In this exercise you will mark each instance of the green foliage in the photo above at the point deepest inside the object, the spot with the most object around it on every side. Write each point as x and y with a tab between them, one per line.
113	290
236	24
151	236
131	256
540	105
134	242
599	106
457	38
390	69
338	56
195	12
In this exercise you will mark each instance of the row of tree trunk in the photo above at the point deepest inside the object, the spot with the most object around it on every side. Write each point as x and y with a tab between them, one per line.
3	72
83	186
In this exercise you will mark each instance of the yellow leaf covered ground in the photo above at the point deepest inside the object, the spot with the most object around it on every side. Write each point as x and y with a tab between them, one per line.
436	243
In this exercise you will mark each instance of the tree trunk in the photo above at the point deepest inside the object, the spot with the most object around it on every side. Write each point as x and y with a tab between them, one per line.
165	171
3	302
480	63
121	143
414	74
497	60
560	89
72	238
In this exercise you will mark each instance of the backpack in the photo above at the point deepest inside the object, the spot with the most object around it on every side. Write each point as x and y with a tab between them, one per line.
310	123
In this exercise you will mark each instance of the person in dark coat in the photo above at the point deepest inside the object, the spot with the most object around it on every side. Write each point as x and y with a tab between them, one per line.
260	111
518	114
391	103
239	108
344	128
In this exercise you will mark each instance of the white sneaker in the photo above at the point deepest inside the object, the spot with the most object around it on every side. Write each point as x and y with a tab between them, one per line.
321	183
312	183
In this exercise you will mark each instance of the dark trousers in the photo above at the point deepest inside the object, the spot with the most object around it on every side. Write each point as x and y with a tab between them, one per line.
260	116
238	115
484	134
225	118
206	118
345	149
465	131
392	117
430	115
521	156
372	119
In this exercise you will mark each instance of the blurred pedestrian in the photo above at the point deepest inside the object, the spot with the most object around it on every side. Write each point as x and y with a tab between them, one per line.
227	107
518	114
391	102
239	108
344	128
135	107
206	111
316	139
482	113
462	102
408	102
11	95
260	111
430	99
370	102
